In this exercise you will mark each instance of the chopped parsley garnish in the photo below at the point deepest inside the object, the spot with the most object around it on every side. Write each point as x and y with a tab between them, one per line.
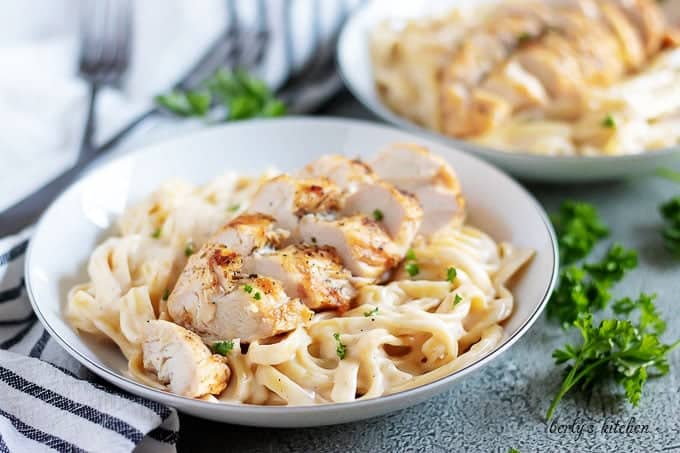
234	207
243	96
341	349
616	348
223	347
457	299
378	215
412	269
166	294
524	37
257	296
670	211
578	227
609	122
248	288
513	450
371	313
189	249
451	274
583	290
156	234
669	174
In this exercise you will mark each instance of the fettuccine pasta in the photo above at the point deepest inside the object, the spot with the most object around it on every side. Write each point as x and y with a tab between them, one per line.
398	335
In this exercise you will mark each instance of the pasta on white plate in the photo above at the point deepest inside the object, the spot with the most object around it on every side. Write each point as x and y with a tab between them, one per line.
549	77
188	289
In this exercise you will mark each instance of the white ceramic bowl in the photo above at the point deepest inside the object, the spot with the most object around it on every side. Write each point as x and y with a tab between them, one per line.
84	214
356	69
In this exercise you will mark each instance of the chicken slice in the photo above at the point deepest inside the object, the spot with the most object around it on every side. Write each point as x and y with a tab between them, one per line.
216	299
629	39
433	182
511	82
462	112
397	212
249	232
648	18
478	54
181	361
344	172
362	245
599	54
555	66
286	199
313	274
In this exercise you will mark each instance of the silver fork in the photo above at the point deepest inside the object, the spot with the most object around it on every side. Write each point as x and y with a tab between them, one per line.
235	47
106	36
104	56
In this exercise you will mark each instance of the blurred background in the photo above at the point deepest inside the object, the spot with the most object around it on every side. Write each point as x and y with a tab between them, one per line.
54	52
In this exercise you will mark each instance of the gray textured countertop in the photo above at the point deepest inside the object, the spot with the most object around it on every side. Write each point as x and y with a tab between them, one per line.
503	405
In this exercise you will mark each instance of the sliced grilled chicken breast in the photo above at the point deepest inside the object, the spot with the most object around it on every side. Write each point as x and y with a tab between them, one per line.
313	274
214	298
399	213
181	361
286	199
512	83
630	40
249	232
596	46
464	113
433	182
555	65
344	172
648	18
362	245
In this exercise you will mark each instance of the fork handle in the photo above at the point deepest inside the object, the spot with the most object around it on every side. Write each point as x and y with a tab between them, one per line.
118	136
87	148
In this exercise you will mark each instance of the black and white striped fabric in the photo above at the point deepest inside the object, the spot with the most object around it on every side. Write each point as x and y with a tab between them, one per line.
48	401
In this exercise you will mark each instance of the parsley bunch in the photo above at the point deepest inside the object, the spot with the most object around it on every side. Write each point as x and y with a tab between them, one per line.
585	289
616	348
243	95
650	320
671	232
578	228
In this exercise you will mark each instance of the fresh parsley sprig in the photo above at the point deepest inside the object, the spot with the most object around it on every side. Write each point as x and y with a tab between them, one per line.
614	266
616	348
243	95
585	289
650	320
669	174
578	227
670	211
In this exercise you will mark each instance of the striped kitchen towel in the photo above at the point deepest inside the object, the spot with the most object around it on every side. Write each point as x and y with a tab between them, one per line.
48	401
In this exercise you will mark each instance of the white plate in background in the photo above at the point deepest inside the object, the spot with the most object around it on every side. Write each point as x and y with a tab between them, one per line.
355	66
86	213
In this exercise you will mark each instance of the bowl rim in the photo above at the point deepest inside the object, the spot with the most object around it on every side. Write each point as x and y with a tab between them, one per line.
377	107
133	386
